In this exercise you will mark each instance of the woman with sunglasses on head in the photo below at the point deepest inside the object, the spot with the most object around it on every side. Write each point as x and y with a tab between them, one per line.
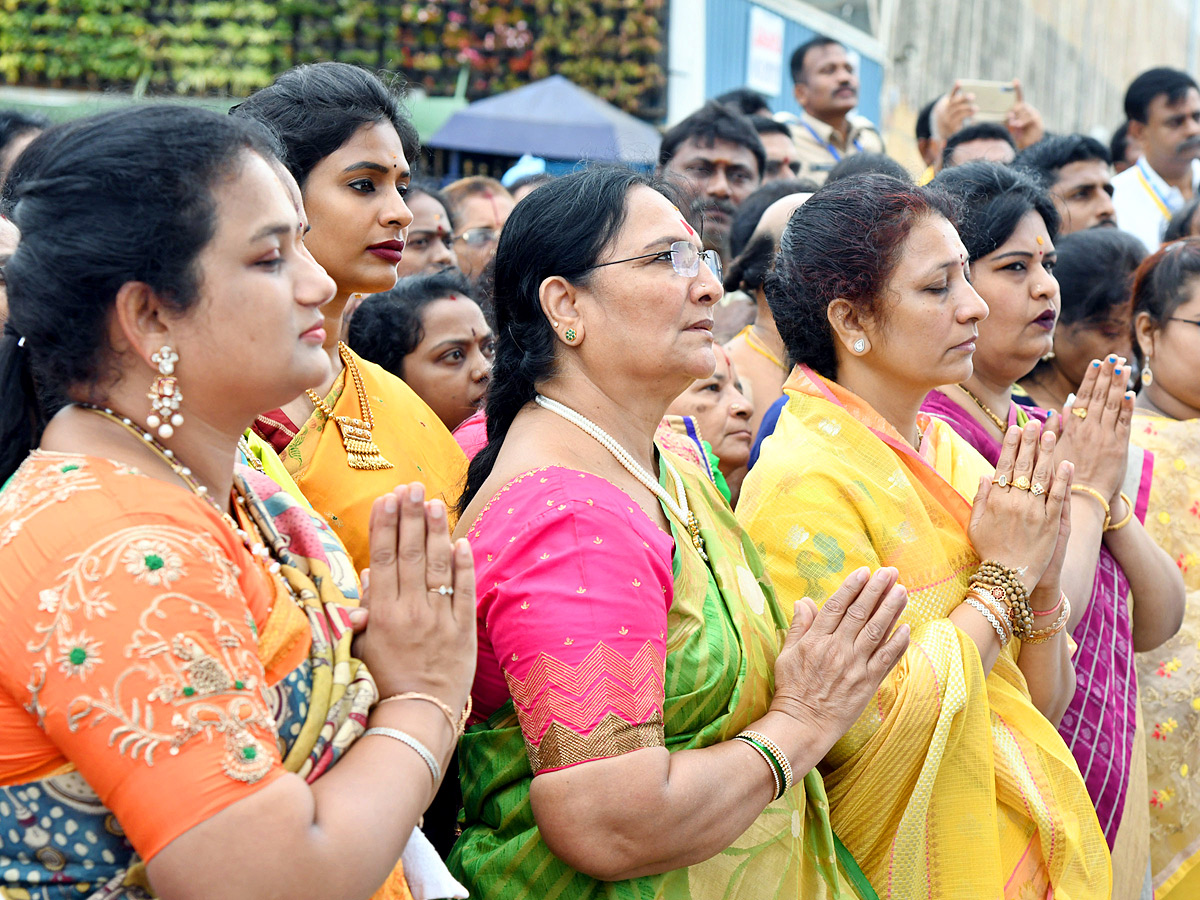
640	716
183	713
953	783
362	430
1126	594
1166	422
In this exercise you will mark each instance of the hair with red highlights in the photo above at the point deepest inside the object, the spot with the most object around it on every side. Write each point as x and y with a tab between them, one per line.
844	242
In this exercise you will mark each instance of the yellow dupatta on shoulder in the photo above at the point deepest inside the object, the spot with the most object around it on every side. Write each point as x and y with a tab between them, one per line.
951	783
408	435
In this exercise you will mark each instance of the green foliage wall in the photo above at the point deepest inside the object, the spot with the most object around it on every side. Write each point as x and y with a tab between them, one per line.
615	48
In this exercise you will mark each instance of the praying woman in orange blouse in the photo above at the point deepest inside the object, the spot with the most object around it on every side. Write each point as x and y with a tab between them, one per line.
184	713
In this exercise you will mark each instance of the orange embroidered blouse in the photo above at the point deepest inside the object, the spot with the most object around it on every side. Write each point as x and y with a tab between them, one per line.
138	647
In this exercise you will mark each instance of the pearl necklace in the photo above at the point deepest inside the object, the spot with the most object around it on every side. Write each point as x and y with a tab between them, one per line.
257	549
678	508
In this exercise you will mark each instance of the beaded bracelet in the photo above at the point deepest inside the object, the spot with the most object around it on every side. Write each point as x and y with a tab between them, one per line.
775	770
1040	637
409	741
1005	586
987	614
458	724
781	760
1125	520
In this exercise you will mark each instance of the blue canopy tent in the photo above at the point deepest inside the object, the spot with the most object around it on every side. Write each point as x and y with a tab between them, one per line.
552	118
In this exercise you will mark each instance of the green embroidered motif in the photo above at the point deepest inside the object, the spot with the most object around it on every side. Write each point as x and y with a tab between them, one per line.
153	562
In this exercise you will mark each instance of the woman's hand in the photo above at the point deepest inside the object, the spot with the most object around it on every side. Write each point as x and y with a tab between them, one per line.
416	638
1049	589
1095	429
833	660
1016	527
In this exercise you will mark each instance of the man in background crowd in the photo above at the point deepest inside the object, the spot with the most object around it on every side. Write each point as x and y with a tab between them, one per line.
720	156
1076	170
1163	107
826	87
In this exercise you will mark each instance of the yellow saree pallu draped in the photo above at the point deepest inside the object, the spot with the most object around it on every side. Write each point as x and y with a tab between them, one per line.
1169	676
407	434
951	783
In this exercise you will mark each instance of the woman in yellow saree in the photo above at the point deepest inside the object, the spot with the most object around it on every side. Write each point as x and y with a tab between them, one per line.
1166	298
363	430
953	783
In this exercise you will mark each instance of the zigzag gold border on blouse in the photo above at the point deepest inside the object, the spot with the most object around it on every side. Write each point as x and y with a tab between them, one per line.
612	736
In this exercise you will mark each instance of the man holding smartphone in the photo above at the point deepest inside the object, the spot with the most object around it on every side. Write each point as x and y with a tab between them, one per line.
826	86
1163	106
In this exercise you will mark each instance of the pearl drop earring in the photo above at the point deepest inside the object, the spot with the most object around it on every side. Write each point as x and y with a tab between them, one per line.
165	396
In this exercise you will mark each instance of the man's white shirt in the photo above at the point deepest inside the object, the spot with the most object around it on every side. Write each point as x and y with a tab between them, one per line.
1145	203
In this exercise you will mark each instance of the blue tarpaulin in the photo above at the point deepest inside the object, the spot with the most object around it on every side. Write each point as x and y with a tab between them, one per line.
554	119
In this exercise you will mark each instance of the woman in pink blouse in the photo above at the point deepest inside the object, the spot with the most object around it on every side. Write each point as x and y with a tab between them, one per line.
643	715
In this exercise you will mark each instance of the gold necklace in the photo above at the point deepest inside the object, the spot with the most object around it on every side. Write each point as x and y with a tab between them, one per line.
361	452
999	423
257	548
761	348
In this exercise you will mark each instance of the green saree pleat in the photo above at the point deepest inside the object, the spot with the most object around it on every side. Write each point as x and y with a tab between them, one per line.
724	630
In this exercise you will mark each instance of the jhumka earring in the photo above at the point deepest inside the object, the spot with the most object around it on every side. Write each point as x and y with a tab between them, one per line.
165	396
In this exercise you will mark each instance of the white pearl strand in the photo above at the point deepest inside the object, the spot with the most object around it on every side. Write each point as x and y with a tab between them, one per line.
679	509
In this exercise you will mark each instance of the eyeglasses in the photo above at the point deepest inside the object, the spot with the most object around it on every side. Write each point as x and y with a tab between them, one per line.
477	237
1189	321
685	259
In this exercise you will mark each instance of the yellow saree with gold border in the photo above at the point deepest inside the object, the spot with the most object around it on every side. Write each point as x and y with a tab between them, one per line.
951	783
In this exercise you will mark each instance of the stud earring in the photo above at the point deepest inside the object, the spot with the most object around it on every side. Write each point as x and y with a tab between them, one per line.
569	334
860	346
554	322
1147	375
165	396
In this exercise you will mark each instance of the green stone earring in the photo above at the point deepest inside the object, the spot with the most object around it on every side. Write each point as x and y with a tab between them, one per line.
569	334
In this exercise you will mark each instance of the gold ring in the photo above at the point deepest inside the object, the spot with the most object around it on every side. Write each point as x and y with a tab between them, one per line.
1000	480
1080	411
1021	484
445	590
1036	489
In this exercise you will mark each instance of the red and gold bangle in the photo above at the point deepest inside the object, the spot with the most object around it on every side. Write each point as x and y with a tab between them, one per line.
1052	610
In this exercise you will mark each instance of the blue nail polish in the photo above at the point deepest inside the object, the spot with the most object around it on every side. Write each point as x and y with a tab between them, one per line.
1117	370
1095	363
1112	358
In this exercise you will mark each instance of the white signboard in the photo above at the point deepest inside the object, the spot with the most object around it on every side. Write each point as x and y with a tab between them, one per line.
764	62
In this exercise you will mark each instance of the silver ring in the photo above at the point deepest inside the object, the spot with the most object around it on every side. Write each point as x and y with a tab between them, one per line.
445	590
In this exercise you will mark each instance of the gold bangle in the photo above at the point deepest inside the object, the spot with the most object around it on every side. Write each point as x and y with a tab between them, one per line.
1092	492
1125	520
458	724
1043	635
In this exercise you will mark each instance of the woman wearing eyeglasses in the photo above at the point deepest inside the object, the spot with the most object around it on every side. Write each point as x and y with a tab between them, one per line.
480	207
639	715
1166	316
